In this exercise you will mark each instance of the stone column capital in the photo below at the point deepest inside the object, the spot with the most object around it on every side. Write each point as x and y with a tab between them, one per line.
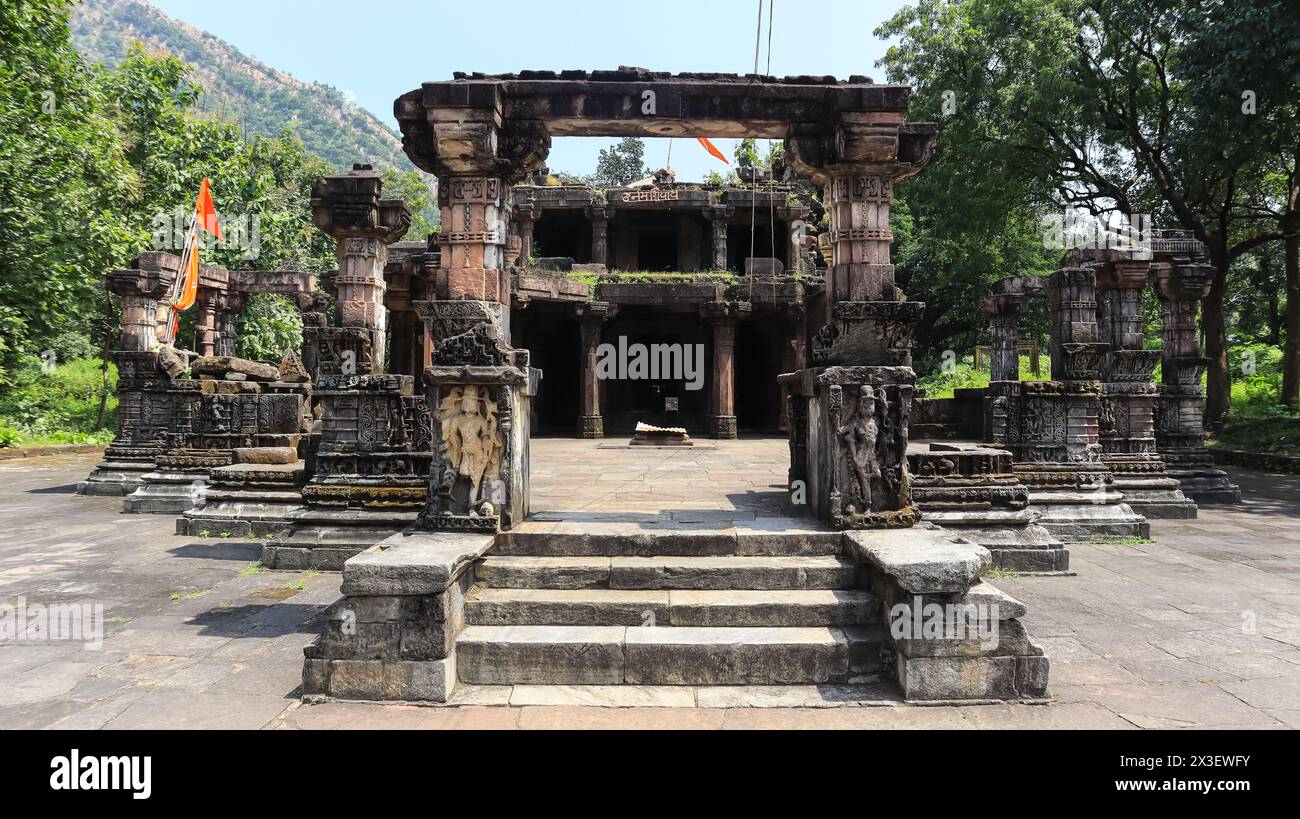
1123	274
871	144
1188	281
725	312
1000	305
595	312
468	134
348	206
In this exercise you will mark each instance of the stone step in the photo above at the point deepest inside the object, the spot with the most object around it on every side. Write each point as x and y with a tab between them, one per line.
718	608
761	536
322	548
615	655
649	573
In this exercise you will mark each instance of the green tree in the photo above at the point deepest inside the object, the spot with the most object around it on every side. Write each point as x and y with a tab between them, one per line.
621	163
64	180
1088	103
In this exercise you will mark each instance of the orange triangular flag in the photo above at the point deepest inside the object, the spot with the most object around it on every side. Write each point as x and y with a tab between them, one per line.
204	212
713	149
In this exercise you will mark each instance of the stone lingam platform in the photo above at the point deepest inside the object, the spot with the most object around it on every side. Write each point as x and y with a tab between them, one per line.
647	435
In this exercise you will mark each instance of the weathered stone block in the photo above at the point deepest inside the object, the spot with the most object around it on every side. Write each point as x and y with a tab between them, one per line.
219	366
413	563
266	455
958	678
920	561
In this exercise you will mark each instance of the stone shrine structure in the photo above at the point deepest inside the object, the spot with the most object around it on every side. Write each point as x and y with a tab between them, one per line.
1052	427
414	600
174	426
412	453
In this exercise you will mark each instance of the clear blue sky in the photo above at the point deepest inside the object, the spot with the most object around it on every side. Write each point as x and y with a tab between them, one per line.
380	50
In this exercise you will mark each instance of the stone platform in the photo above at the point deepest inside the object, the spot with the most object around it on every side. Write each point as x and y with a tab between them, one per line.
1148	634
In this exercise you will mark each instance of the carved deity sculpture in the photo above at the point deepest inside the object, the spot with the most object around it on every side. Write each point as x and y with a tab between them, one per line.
860	435
472	440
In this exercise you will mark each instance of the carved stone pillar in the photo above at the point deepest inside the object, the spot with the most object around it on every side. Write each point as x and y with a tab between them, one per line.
207	322
473	238
140	290
478	386
347	207
525	221
599	234
229	306
718	235
143	415
376	439
1052	427
722	317
794	357
1126	427
591	320
1003	312
849	411
1181	284
1076	350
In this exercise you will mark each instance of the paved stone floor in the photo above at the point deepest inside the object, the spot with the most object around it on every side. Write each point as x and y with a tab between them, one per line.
1199	628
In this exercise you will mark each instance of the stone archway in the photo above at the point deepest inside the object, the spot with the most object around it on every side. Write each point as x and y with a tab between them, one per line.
481	133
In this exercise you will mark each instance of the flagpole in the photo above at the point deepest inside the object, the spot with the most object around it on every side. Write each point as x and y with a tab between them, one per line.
182	275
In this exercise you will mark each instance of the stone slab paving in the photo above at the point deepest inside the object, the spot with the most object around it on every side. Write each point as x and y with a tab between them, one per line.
1200	628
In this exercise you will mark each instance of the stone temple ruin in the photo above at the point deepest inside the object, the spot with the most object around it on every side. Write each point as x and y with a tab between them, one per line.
396	449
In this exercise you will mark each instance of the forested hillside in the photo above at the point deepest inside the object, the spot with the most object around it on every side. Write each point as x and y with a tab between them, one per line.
238	88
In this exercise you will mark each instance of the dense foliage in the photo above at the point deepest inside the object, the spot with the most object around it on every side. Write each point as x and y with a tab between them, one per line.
264	101
97	165
1184	111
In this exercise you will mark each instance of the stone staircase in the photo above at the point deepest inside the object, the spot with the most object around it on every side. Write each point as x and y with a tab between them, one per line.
700	608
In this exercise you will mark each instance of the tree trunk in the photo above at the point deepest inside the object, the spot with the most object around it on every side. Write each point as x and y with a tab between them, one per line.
1218	391
1291	350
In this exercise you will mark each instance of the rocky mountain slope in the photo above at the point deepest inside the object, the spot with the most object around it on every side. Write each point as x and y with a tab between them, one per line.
239	88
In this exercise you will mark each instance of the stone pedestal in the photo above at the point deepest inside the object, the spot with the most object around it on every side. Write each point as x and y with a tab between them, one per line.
392	637
1180	412
480	390
1051	429
211	421
974	492
246	499
848	439
376	444
953	637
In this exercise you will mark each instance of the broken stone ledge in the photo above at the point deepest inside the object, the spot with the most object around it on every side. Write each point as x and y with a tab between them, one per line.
392	636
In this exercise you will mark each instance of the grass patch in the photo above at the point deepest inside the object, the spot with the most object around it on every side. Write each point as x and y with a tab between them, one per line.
961	375
1003	574
301	583
178	596
255	568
